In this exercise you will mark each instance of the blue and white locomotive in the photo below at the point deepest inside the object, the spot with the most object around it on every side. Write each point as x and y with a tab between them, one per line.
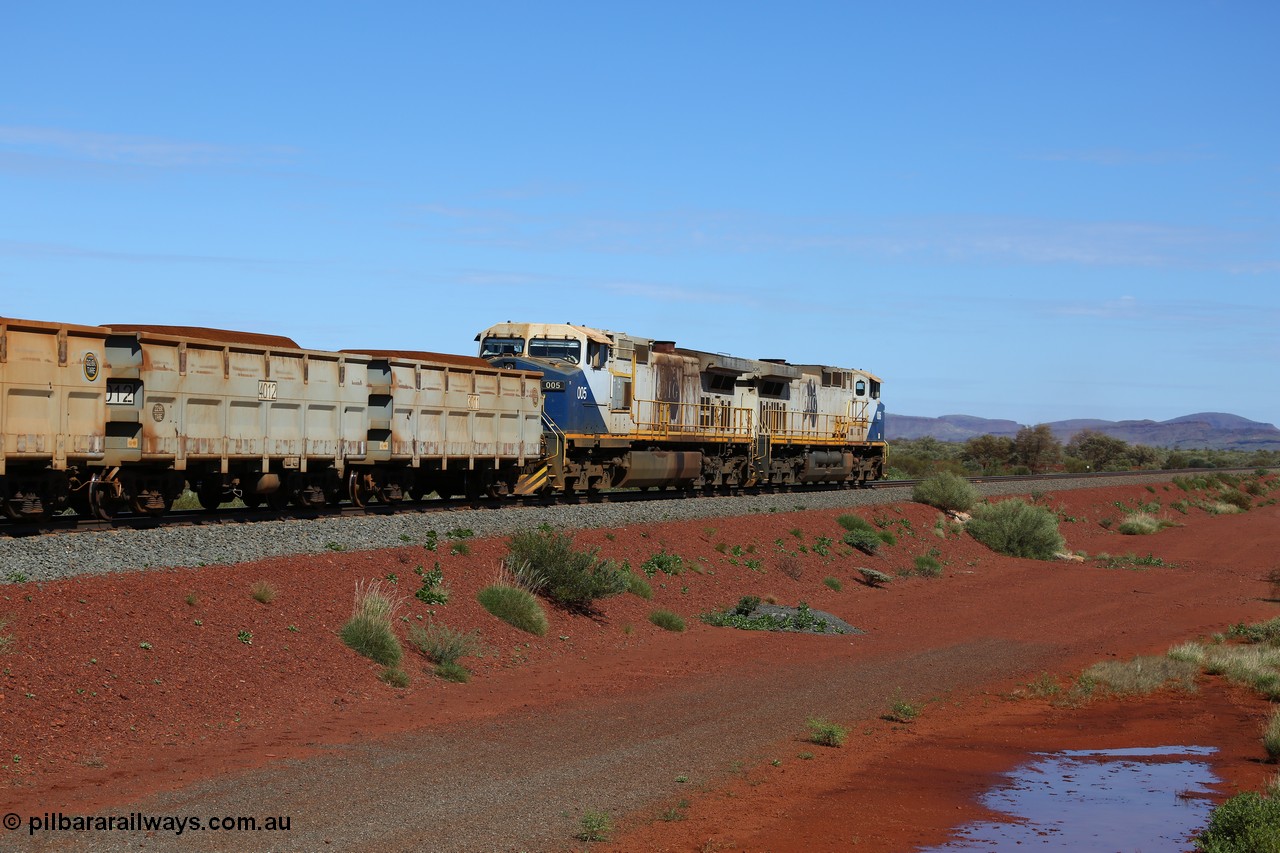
624	411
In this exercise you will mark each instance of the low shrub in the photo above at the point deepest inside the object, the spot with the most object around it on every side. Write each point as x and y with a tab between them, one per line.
824	733
833	583
1258	632
873	577
1246	823
901	711
572	579
516	607
667	620
668	564
1017	529
743	616
368	631
866	541
945	491
595	826
432	591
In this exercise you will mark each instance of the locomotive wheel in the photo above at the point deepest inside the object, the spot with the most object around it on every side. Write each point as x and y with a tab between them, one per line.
252	500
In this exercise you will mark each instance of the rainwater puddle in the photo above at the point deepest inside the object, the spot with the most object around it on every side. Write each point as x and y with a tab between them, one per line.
1120	800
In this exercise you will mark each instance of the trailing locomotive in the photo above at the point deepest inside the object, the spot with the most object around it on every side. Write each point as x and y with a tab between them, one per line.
624	411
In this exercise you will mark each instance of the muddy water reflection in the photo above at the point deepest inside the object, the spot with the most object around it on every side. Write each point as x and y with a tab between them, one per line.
1101	800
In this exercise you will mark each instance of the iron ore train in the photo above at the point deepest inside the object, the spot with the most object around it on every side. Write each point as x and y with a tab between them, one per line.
102	419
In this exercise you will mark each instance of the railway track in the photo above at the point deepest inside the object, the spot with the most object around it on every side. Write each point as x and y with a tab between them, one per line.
71	523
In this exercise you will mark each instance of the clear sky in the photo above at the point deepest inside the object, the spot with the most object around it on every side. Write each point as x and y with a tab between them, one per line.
1023	210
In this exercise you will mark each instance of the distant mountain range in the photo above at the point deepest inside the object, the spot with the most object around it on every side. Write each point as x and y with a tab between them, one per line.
1214	430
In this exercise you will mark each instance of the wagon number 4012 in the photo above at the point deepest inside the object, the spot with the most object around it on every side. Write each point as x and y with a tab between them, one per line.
121	393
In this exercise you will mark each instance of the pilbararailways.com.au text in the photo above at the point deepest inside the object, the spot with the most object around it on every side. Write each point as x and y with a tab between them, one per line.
140	822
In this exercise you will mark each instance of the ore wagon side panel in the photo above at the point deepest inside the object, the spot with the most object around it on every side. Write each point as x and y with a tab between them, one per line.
203	401
52	394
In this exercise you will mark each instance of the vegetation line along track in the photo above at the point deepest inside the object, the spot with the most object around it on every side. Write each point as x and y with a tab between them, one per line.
228	515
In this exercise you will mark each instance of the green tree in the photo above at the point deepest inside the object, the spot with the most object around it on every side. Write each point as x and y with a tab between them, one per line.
1101	451
1037	448
988	452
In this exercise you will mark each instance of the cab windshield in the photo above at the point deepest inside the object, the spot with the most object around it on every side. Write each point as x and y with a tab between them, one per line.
501	346
563	349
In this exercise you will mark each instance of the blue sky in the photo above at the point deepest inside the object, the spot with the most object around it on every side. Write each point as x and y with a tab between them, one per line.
1022	210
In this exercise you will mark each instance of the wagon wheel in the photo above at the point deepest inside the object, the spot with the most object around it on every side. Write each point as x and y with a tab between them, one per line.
363	489
102	504
210	494
280	498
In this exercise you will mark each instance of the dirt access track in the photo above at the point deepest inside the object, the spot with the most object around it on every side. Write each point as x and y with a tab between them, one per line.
175	693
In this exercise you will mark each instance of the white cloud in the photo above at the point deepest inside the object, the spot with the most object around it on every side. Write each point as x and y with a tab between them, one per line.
962	239
1122	156
132	150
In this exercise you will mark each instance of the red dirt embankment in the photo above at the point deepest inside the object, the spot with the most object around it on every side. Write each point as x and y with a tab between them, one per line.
116	687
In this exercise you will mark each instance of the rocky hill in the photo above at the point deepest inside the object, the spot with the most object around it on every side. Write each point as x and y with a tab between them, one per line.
1214	430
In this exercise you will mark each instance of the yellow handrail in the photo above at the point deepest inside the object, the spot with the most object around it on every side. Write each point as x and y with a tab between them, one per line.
661	418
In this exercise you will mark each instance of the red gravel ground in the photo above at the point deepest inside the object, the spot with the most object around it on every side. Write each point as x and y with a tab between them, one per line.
115	687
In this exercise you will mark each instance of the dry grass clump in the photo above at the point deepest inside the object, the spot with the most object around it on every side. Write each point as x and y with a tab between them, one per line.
444	645
1143	524
369	631
263	592
667	620
1271	737
515	606
1140	676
